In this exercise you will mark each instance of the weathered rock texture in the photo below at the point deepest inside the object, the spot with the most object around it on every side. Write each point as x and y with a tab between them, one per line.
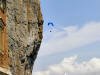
24	31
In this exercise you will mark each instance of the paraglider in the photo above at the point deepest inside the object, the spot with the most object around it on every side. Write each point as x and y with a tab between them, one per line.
50	24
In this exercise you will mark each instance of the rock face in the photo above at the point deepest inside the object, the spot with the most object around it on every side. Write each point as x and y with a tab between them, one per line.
24	31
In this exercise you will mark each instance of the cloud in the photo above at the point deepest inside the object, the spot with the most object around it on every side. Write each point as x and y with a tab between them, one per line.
69	38
71	67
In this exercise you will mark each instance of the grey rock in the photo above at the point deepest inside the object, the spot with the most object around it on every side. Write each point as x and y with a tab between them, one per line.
24	31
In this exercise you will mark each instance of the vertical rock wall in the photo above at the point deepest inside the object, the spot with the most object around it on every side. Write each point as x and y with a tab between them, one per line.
24	32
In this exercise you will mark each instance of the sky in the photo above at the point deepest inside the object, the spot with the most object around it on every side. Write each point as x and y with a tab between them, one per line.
73	45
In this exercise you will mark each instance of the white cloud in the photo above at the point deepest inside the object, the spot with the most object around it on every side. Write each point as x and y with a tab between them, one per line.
69	38
72	67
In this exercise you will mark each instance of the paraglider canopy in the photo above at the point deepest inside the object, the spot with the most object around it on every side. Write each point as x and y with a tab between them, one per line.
50	23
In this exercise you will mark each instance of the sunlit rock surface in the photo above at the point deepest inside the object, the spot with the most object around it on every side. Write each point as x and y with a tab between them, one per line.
24	31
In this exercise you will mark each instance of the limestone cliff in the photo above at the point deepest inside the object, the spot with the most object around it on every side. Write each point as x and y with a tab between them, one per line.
24	31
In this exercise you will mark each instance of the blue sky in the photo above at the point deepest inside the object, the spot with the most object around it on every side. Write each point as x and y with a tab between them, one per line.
75	36
70	12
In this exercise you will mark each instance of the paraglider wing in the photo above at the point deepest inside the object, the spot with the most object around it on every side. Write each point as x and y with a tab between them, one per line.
50	23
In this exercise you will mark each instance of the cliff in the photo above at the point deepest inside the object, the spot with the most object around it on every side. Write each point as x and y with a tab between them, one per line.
24	34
